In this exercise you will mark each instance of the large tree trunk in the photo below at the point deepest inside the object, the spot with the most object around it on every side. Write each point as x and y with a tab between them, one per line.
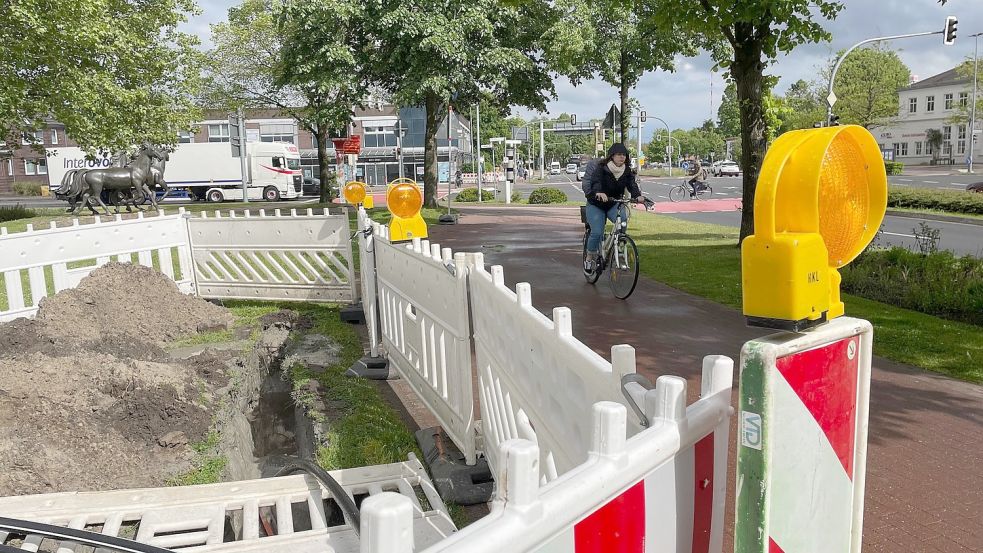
748	71
322	164
623	73
430	151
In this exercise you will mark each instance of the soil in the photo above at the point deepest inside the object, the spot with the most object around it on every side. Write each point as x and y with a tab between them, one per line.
89	397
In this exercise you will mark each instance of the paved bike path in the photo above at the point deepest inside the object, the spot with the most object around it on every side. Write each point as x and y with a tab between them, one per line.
925	457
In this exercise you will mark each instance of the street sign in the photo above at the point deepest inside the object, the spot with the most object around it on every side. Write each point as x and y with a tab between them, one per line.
351	145
831	99
520	133
613	118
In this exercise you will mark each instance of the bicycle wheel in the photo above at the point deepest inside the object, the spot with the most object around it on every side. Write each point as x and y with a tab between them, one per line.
590	277
623	272
678	193
705	193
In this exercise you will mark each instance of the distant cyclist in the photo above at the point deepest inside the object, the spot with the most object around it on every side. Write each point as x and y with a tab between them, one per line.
699	180
605	181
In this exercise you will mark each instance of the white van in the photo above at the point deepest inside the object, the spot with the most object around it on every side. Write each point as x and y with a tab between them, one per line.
555	168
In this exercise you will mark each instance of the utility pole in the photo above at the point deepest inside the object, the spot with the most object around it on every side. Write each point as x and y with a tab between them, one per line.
481	160
972	120
542	152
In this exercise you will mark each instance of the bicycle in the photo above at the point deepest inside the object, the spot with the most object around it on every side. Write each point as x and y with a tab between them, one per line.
679	192
618	253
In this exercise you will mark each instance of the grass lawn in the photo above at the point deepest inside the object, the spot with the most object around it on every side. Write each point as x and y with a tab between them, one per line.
673	251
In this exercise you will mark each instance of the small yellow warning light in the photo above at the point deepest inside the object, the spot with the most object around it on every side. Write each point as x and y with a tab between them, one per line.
354	192
820	199
404	200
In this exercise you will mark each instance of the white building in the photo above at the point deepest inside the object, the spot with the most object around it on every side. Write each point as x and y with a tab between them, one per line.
929	104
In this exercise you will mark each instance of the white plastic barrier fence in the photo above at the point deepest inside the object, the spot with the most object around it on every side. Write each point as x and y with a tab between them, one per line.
367	279
70	253
619	499
426	330
537	382
294	257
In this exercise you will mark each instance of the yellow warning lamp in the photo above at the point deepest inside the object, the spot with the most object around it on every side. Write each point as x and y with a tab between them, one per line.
404	200
355	194
820	199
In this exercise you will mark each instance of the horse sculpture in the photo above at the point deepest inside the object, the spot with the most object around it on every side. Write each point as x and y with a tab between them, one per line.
134	181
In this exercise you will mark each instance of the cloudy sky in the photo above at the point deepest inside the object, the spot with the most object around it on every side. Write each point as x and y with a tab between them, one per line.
691	94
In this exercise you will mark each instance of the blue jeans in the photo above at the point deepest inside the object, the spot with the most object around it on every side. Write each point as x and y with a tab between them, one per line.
595	218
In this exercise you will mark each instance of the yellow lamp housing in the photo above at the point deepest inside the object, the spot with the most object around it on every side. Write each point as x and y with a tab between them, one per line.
404	200
820	199
354	192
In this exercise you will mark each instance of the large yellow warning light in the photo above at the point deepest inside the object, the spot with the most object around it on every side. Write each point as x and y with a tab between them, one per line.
404	200
820	199
354	192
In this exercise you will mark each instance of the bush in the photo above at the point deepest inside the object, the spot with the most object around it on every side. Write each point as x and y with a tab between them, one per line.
547	195
13	212
27	188
954	201
471	195
937	283
893	167
516	197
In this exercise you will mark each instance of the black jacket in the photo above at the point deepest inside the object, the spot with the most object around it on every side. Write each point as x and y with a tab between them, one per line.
598	178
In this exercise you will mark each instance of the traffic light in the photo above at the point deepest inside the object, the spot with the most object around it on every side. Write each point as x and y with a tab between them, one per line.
573	119
643	117
834	120
950	30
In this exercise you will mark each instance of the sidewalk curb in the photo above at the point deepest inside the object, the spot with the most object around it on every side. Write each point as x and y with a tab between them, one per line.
933	217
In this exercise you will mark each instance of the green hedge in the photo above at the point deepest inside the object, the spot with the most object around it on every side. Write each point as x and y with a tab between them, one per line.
893	167
14	212
547	195
471	195
27	188
939	283
955	201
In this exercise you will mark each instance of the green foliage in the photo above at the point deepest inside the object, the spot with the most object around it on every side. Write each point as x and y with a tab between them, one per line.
953	201
208	465
516	197
729	112
14	212
114	73
471	195
938	284
867	86
547	195
933	140
694	142
963	113
27	188
893	167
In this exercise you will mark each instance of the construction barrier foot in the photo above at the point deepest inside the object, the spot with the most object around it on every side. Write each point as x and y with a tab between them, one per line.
373	368
456	481
353	315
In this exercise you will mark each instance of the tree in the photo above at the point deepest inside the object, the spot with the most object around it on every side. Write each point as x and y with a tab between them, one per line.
458	52
806	107
114	73
729	112
964	112
616	40
744	41
867	86
933	141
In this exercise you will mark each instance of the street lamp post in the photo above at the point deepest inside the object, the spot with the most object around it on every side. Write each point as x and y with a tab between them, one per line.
669	132
492	142
972	119
400	131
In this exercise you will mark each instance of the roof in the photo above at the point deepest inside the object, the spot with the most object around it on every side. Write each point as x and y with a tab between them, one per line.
948	78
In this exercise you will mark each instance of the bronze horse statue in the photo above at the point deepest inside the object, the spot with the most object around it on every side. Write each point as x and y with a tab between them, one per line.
134	181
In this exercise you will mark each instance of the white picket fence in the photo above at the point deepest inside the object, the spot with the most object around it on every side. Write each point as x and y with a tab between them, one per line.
273	256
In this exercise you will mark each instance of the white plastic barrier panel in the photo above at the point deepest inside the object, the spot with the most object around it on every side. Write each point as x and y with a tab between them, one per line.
537	382
279	257
71	253
616	501
426	330
802	449
367	278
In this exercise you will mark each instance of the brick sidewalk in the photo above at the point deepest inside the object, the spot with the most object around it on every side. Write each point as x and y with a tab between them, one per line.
925	457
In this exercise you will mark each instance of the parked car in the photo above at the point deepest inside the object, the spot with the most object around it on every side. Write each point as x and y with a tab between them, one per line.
581	171
555	168
312	186
975	187
571	168
729	168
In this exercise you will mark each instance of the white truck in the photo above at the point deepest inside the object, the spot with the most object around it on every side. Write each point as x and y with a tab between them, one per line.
207	171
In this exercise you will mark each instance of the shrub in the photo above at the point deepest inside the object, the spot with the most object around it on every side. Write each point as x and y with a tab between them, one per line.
954	201
13	212
937	283
893	167
516	197
471	195
27	188
547	195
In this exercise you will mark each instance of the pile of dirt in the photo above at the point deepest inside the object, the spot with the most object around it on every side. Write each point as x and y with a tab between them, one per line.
89	399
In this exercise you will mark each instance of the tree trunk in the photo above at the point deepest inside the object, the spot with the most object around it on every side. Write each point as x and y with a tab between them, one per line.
748	76
430	151
623	73
322	164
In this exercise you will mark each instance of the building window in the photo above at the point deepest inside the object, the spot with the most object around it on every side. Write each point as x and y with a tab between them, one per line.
918	148
946	132
54	136
961	147
896	147
379	137
36	137
35	167
948	101
947	148
963	99
929	150
10	167
912	105
277	133
930	103
962	132
218	133
904	149
185	137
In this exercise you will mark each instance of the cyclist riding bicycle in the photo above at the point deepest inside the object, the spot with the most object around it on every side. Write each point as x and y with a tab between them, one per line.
699	180
605	181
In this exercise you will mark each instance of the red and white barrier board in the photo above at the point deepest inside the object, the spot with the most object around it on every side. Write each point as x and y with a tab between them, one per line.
802	442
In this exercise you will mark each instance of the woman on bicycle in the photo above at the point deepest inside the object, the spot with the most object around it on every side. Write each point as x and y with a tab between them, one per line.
606	183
